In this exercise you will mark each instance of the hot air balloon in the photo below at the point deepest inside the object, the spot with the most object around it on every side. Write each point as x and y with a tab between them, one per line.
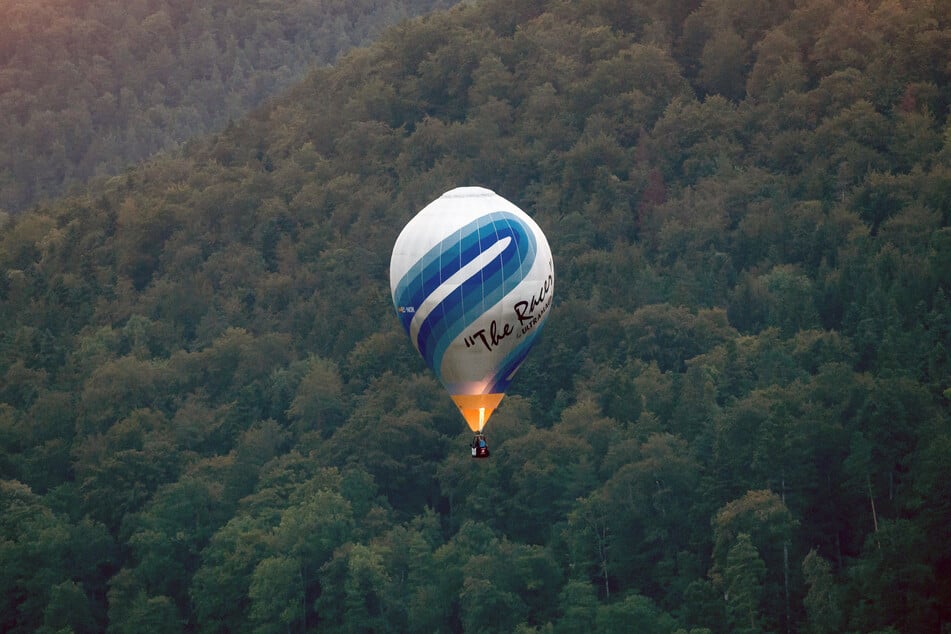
472	280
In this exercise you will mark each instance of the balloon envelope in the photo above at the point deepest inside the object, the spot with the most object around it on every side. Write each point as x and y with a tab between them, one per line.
472	281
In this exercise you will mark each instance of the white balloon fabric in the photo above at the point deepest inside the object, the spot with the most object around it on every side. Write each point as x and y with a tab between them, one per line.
472	280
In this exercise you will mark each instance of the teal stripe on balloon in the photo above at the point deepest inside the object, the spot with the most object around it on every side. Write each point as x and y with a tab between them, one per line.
475	295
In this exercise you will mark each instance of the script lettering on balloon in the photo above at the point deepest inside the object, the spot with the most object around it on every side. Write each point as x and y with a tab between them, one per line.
530	312
489	339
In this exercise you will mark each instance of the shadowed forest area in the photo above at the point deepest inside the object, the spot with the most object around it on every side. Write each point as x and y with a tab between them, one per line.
89	87
737	419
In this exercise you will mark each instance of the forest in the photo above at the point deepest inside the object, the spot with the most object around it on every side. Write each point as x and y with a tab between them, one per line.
736	420
90	86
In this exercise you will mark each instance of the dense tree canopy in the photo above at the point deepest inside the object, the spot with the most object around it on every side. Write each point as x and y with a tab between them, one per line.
89	87
736	420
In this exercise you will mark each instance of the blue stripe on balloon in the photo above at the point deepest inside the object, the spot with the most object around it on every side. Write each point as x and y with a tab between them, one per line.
478	291
476	294
433	268
425	275
497	279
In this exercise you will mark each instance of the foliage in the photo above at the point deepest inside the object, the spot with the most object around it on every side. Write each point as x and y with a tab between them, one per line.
88	88
737	418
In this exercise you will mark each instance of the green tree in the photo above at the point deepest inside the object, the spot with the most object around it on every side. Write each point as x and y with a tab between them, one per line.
723	64
743	576
318	402
778	68
49	562
507	585
547	472
629	533
68	609
892	578
406	599
766	526
155	614
823	602
274	592
396	413
220	587
633	611
306	536
168	535
577	606
488	608
365	591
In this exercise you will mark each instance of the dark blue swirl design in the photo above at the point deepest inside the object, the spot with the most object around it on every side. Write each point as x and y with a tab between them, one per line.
475	295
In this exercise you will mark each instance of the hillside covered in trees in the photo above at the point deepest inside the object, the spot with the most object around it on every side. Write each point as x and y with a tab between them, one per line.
91	86
738	418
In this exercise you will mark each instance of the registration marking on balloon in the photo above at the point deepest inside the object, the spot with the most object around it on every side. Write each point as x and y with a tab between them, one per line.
472	282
